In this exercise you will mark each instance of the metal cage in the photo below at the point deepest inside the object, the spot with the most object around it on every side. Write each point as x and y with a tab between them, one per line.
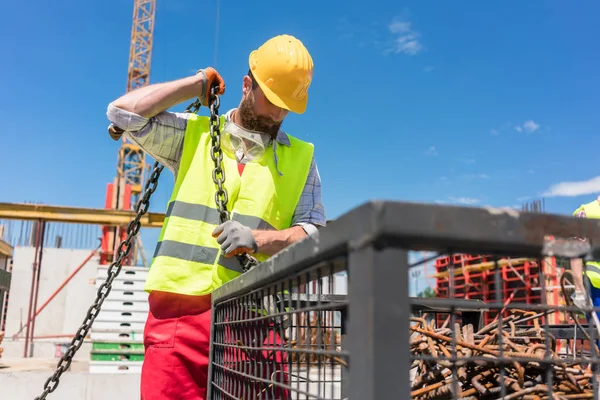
331	316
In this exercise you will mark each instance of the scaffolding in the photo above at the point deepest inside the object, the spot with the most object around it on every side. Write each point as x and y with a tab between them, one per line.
46	226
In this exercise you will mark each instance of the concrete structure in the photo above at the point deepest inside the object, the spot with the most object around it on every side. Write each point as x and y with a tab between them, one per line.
23	378
64	313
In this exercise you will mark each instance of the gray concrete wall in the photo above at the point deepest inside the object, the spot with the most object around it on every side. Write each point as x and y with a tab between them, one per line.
72	386
67	310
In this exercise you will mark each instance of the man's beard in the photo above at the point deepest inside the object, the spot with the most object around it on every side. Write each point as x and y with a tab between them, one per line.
253	122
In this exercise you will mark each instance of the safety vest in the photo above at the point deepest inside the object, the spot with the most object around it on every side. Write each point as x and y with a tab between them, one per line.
187	259
592	210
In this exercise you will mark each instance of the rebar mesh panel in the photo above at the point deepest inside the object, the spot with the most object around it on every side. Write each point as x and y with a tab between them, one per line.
283	340
492	315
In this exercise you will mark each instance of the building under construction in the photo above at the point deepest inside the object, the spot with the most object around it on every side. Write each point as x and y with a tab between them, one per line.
498	325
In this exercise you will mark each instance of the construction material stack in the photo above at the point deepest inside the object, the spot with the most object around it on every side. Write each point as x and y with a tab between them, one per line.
517	280
117	333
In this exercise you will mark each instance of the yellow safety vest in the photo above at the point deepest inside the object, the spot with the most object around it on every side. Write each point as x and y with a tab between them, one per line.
187	259
592	210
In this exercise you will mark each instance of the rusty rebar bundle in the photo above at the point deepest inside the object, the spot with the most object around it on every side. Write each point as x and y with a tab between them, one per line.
506	361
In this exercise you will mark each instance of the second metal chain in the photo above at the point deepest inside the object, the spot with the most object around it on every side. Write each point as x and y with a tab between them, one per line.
103	291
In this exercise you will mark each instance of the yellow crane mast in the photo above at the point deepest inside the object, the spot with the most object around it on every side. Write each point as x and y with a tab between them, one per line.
125	191
131	164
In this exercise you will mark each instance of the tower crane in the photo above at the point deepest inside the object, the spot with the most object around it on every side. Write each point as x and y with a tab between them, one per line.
124	192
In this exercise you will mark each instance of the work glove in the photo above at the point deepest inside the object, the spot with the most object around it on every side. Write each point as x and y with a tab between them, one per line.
581	300
210	78
235	238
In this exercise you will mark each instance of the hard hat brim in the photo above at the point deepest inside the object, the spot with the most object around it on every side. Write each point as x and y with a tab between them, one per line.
295	106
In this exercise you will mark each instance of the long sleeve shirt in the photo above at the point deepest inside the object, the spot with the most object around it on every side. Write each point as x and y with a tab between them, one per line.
162	137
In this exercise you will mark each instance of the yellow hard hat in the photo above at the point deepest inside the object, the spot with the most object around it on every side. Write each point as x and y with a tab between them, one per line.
283	69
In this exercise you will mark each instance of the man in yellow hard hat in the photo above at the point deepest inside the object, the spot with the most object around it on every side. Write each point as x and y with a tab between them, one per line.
274	197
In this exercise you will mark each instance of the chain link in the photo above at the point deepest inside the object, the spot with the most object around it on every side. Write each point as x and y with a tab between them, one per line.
193	107
218	174
133	229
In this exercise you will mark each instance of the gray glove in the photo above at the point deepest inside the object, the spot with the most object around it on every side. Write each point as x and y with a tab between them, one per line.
581	300
235	238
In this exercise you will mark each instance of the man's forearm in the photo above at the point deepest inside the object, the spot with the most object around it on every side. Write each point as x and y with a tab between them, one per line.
151	100
577	268
271	242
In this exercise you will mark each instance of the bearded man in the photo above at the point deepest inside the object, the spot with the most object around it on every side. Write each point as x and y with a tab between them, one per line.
274	199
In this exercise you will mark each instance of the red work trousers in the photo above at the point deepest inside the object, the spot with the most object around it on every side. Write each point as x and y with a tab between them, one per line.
177	340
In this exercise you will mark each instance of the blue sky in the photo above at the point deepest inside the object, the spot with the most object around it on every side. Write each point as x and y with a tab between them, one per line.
476	103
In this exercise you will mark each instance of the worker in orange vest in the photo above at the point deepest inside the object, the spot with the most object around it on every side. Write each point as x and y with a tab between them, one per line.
274	199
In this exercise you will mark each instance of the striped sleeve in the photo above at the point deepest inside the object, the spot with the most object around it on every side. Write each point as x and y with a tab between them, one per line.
310	213
160	136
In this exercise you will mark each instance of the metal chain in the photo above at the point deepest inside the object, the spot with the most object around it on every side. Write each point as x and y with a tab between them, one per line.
133	228
113	270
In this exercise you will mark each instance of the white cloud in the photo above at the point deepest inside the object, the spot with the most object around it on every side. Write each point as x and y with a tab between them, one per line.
572	189
476	176
528	126
494	132
404	39
398	26
428	68
431	151
464	200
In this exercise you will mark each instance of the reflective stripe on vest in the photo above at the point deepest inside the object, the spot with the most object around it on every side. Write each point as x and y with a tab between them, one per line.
195	253
209	215
187	259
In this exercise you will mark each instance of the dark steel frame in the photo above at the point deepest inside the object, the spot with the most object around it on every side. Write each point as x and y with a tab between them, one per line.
375	238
